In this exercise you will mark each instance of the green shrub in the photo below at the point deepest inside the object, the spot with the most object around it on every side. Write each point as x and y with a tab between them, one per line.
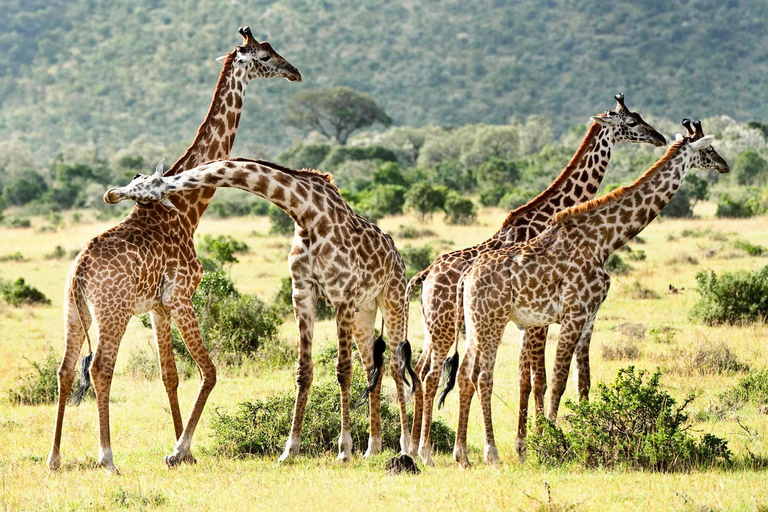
459	210
236	207
41	386
704	358
416	258
733	297
262	426
638	255
221	249
282	223
283	300
631	423
425	199
379	201
750	168
18	222
751	389
638	292
341	154
18	293
740	208
411	232
516	198
304	156
749	248
14	256
389	174
616	266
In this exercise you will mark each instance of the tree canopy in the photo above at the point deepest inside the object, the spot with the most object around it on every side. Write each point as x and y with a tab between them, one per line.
336	113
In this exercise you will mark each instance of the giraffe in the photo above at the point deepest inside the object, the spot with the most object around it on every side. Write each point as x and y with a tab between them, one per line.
336	254
559	277
147	263
577	183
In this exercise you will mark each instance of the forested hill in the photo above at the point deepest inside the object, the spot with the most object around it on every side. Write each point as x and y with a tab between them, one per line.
108	72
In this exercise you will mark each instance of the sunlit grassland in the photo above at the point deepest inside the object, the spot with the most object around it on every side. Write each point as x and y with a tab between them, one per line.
142	429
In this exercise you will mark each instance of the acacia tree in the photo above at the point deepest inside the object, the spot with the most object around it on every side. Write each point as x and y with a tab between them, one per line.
335	112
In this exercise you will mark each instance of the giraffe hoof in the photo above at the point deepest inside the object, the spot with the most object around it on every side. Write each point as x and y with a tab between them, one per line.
520	449
54	462
172	460
374	447
112	470
492	456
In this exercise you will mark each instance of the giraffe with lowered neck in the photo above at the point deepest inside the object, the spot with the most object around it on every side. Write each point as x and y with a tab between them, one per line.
577	183
336	254
147	263
559	277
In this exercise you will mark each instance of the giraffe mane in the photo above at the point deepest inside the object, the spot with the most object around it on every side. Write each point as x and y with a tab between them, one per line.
620	192
306	173
564	175
178	166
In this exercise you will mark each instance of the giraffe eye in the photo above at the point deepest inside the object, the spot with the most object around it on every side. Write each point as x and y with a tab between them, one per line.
265	58
631	123
137	176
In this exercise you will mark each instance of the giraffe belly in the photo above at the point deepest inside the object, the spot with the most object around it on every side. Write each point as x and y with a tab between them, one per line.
529	316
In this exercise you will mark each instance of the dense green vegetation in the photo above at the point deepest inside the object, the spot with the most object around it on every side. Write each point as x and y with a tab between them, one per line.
108	74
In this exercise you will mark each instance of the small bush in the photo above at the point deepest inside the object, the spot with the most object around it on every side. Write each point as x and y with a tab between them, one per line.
14	256
624	350
18	293
18	222
751	389
751	249
425	199
639	292
59	253
284	300
706	358
733	297
221	249
282	223
616	266
630	423
41	385
261	427
459	210
410	232
416	259
638	255
740	208
662	334
682	259
516	198
142	365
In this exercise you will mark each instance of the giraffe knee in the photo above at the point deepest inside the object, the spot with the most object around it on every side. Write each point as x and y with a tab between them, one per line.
343	375
304	374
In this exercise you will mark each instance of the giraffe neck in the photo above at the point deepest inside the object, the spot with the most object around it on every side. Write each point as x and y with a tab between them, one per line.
577	183
213	141
304	195
622	214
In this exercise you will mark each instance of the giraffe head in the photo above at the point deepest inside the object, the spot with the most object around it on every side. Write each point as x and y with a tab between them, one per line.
628	126
253	59
704	155
143	188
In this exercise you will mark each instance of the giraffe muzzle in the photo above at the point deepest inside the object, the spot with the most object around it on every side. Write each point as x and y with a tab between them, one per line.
112	196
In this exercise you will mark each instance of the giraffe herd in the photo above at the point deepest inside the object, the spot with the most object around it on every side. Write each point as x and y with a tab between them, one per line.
545	265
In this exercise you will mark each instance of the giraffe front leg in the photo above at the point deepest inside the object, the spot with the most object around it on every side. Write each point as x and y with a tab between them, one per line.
184	315
582	379
344	326
571	330
393	311
304	304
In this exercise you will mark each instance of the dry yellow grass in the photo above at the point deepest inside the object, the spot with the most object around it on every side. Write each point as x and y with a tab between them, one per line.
142	431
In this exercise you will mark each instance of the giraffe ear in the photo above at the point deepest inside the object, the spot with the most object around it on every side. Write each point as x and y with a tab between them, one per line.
221	59
159	168
678	136
602	120
702	143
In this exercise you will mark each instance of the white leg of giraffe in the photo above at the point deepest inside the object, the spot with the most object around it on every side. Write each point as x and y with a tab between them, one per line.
304	305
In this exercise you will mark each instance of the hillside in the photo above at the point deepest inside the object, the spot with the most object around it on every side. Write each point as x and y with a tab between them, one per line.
77	72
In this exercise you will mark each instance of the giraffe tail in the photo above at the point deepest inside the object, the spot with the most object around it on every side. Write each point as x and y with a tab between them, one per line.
410	379
379	346
451	364
77	298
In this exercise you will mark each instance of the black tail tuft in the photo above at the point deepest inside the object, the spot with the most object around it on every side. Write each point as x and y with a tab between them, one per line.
450	369
379	347
85	379
406	368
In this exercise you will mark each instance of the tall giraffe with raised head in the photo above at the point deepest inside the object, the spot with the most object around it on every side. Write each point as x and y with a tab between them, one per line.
335	254
577	183
147	263
559	277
